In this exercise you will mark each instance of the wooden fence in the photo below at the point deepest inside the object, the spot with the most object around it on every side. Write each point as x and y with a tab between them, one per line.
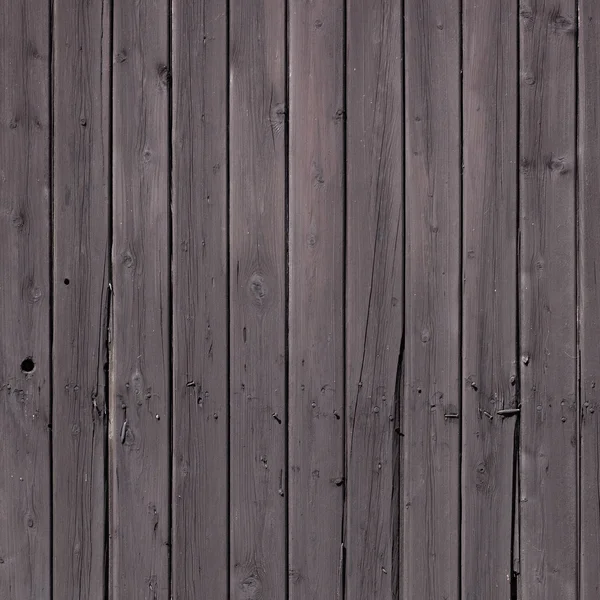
299	301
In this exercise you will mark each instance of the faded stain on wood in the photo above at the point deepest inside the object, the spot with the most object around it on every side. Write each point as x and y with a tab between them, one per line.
299	299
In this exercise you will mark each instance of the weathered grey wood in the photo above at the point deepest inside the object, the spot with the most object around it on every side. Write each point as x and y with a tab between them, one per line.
81	107
316	298
489	328
25	381
200	372
549	552
589	307
140	347
257	282
374	294
432	391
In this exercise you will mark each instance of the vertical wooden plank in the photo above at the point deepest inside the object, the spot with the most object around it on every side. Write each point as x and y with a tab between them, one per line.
81	72
432	381
550	385
140	394
489	376
549	443
316	298
257	283
25	382
374	309
589	311
200	357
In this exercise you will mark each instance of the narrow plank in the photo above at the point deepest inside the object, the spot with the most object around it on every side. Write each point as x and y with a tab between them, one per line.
200	471
140	344
432	380
25	381
316	298
549	552
81	73
489	371
374	292
257	282
589	308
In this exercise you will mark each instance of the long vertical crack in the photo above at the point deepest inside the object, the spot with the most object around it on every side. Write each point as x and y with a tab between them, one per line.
397	484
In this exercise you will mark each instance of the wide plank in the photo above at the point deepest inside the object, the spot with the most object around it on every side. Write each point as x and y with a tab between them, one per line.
548	341
25	298
139	413
316	299
200	313
81	112
374	295
257	167
432	390
489	317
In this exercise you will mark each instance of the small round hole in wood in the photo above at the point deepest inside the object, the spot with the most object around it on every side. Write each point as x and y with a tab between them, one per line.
28	366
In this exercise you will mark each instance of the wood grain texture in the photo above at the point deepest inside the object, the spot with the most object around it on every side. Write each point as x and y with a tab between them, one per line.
432	376
316	299
589	307
489	371
549	552
81	279
25	299
200	370
257	283
140	395
374	311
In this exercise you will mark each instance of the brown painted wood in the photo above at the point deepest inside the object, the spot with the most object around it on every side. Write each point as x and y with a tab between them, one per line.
257	282
374	310
25	294
140	348
549	552
81	106
316	298
432	390
489	370
589	311
200	371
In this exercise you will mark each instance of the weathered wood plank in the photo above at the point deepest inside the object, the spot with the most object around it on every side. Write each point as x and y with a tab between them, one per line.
81	111
316	298
257	283
549	552
374	310
489	371
25	382
200	371
589	311
140	347
432	389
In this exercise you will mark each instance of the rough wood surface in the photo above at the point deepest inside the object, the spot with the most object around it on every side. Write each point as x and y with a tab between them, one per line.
316	299
25	295
589	310
549	552
374	294
257	283
81	104
432	388
140	347
200	359
489	331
